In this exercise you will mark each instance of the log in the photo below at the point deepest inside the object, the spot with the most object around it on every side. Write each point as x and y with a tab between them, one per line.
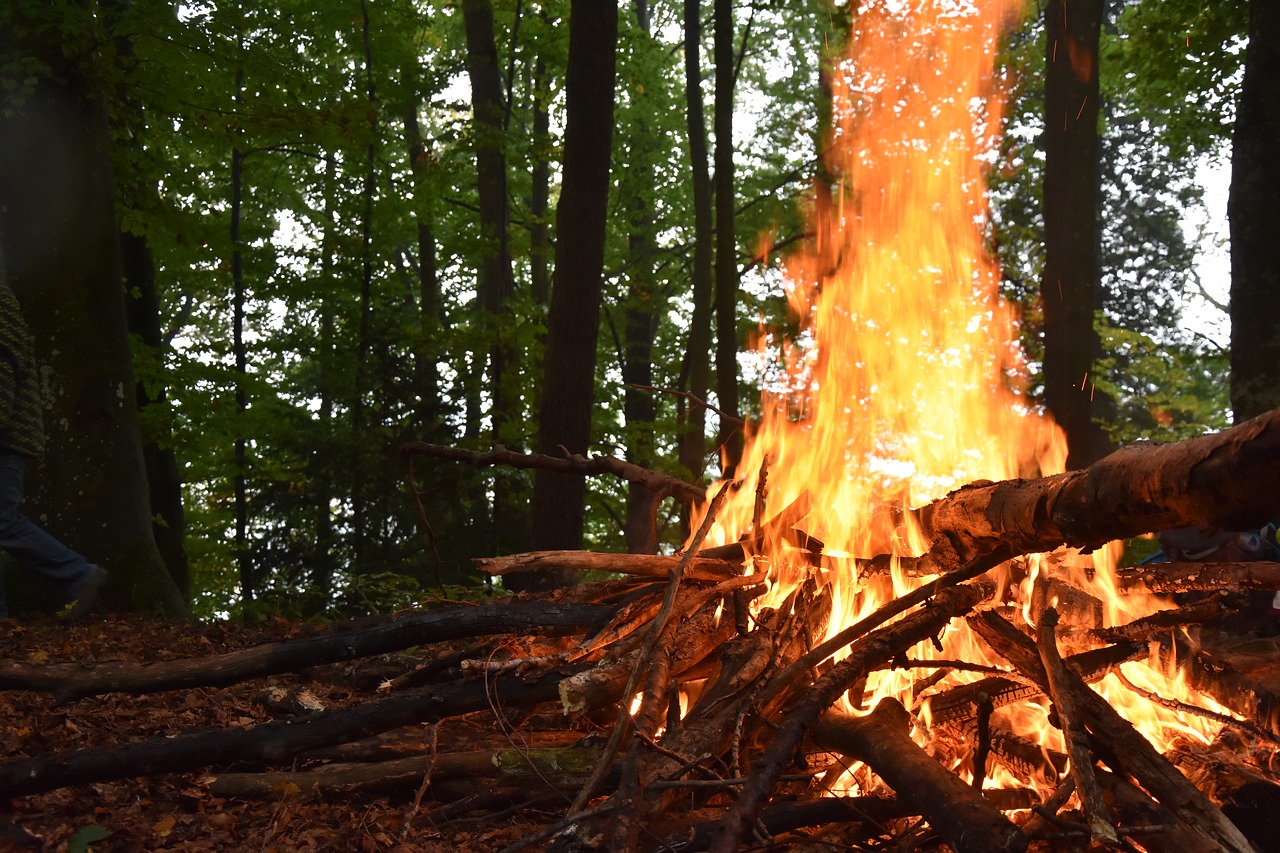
642	565
273	742
75	681
1224	480
956	811
1157	578
1127	751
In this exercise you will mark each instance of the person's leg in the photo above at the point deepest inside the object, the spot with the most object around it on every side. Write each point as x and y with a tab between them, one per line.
27	543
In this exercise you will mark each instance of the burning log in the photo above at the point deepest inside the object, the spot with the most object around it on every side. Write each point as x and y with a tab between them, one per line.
1126	751
955	810
1226	479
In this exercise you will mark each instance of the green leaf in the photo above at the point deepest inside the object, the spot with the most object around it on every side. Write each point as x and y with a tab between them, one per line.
87	836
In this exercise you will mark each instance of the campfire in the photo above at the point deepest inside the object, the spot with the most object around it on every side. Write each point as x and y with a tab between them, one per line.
899	619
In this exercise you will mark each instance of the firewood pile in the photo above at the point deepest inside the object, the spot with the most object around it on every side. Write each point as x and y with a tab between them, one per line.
669	709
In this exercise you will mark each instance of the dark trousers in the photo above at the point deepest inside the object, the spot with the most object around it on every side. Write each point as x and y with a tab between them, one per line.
23	540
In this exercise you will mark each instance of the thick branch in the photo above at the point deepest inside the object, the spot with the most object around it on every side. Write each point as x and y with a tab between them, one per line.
643	565
1225	480
955	810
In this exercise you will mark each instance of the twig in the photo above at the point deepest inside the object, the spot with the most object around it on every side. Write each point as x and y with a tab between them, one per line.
1184	707
692	398
662	484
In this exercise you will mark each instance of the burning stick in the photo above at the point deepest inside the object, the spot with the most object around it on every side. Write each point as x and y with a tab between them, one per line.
1101	824
956	811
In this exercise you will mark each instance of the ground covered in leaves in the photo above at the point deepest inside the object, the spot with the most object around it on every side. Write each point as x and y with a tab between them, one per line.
177	811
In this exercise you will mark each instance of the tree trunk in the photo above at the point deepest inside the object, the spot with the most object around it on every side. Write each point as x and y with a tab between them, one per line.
574	321
698	353
641	324
360	437
495	282
1071	274
1255	221
143	315
726	270
427	412
61	245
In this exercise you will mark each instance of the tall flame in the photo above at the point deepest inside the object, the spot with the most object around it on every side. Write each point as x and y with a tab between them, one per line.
905	379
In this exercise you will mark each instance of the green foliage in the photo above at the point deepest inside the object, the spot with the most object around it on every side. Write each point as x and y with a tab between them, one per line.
1162	391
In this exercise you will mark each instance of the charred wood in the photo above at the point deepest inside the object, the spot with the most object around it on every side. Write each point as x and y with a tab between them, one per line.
956	811
879	645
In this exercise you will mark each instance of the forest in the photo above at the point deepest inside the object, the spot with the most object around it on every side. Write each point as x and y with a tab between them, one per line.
263	247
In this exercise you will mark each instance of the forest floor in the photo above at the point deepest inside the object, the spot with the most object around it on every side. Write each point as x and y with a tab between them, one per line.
177	811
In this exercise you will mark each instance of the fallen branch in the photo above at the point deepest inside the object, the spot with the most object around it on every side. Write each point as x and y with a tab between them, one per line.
660	484
642	565
74	681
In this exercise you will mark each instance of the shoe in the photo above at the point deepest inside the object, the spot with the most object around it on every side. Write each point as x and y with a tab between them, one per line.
86	595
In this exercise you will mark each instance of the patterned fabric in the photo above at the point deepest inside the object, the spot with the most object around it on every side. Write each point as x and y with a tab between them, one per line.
21	421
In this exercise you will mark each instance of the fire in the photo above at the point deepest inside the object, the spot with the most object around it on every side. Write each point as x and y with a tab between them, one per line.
906	379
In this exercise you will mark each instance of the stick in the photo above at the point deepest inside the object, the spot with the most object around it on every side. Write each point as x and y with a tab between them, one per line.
660	484
643	565
1101	824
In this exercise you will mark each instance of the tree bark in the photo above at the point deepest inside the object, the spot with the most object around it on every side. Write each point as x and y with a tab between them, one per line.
729	435
62	252
1071	275
1255	221
641	312
1226	480
573	324
697	368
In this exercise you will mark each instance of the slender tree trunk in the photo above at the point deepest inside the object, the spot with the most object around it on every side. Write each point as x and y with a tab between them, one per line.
574	321
359	425
698	354
322	473
726	269
244	560
1069	287
495	283
1255	222
540	190
641	324
428	415
60	250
